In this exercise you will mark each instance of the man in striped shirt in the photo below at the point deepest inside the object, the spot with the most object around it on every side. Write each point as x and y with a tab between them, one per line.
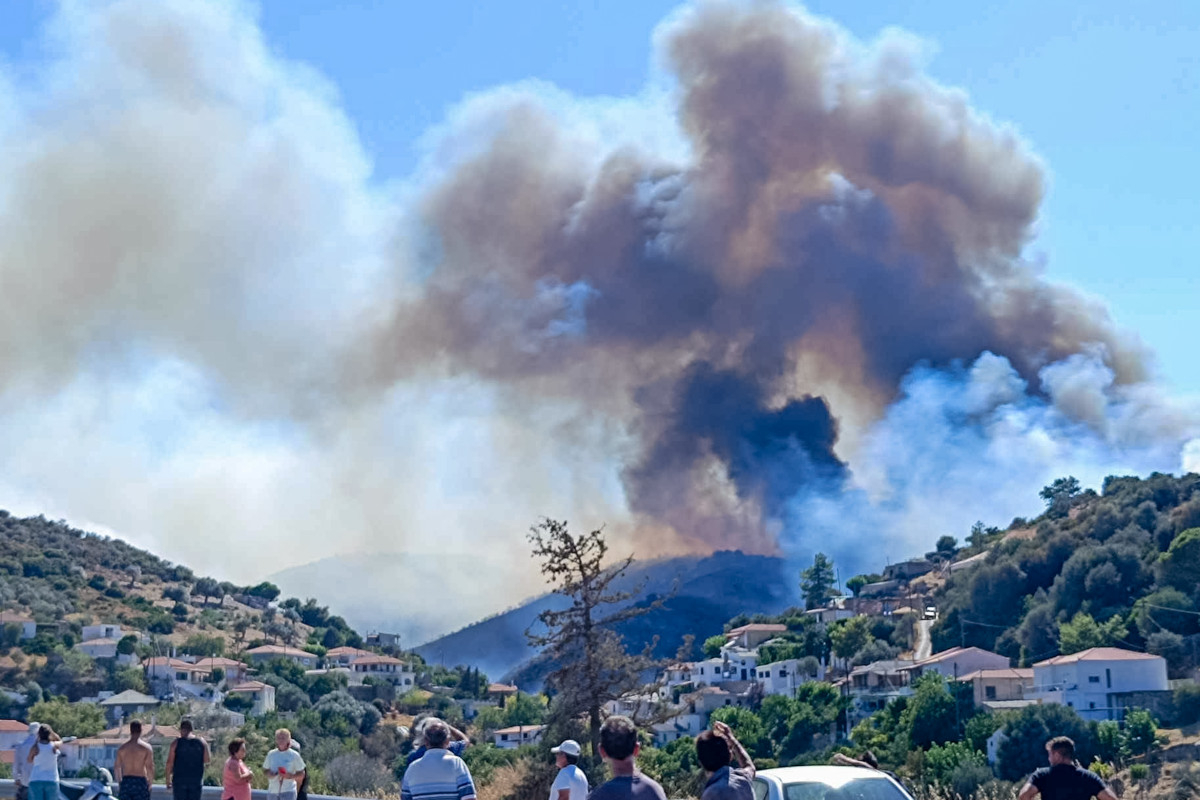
439	774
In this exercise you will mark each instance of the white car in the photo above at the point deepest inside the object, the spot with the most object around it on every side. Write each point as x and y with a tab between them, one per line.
826	783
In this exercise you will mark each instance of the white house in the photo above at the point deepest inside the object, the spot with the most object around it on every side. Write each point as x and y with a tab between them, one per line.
781	677
677	675
27	625
386	668
956	662
262	694
739	663
1091	681
12	733
826	616
107	631
128	703
518	736
98	648
751	636
270	652
343	656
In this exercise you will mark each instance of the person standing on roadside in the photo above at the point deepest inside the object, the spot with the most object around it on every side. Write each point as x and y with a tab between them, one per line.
43	758
134	767
236	776
284	766
21	767
439	774
716	750
619	747
570	783
185	763
1064	779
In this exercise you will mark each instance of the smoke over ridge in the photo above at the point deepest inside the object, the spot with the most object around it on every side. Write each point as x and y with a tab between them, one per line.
781	305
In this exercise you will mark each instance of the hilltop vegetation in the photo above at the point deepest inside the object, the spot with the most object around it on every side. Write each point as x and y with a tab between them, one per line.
1120	568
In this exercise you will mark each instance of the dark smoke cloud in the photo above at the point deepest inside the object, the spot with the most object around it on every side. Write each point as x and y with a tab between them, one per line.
841	220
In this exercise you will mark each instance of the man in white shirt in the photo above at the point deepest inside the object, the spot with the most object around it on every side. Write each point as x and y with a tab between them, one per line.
21	768
571	783
284	767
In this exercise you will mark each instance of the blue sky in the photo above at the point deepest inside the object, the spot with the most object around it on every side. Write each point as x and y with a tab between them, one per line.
1108	94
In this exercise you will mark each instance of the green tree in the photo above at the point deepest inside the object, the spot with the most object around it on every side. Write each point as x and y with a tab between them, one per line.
944	550
748	728
943	761
1059	494
69	719
713	645
849	636
489	719
127	645
266	590
931	716
816	582
1029	729
1179	567
1140	732
593	665
1083	633
524	709
856	584
203	645
207	588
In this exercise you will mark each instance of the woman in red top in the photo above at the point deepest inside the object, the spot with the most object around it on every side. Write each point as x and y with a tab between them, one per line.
237	776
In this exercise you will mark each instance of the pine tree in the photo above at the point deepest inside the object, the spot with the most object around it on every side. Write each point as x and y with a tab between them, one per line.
816	582
593	667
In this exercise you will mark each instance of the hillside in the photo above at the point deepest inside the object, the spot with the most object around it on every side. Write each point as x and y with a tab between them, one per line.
401	593
1120	567
65	578
708	590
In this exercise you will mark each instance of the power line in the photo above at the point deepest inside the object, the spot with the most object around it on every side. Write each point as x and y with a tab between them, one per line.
1168	608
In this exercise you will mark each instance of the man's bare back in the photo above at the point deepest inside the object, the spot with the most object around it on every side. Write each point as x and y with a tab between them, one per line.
135	759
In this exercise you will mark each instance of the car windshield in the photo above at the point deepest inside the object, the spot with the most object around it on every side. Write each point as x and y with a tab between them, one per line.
857	789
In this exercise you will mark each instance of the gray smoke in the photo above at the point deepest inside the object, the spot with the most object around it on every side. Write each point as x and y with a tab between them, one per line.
693	314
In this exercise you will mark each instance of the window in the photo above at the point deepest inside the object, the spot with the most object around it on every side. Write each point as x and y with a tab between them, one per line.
1108	677
989	692
1093	678
760	789
1091	705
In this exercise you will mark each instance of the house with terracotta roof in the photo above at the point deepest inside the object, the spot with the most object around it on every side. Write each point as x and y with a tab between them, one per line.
751	636
999	685
1098	682
957	661
12	733
101	750
342	656
262	695
27	625
270	652
385	668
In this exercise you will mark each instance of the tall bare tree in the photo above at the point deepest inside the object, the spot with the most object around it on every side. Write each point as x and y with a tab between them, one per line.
592	664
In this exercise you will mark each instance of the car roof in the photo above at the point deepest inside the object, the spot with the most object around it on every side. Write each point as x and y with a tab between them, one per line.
829	775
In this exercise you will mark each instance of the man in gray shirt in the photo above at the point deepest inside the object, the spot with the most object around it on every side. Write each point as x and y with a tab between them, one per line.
619	747
715	750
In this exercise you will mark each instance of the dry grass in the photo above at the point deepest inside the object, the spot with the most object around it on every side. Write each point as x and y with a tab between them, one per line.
505	782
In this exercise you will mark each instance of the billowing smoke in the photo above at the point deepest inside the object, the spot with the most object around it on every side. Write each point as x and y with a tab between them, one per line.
783	295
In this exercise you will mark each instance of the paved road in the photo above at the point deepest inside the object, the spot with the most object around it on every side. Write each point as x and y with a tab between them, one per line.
923	647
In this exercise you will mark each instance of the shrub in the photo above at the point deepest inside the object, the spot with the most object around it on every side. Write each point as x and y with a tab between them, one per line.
1139	772
355	773
968	778
1187	704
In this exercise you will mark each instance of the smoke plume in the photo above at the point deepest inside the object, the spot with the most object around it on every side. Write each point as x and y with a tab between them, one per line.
784	297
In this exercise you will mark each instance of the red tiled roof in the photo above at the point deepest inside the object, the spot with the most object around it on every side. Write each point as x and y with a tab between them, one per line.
1098	654
374	659
249	687
13	726
758	627
985	674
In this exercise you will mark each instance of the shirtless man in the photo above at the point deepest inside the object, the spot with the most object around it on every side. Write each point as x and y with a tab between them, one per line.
134	769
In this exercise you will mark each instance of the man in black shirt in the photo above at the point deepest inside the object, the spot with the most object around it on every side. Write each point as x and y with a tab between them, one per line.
1064	779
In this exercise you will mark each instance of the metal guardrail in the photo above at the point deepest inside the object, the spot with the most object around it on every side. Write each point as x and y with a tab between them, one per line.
8	790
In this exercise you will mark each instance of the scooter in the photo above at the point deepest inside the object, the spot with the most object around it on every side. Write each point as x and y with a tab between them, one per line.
99	788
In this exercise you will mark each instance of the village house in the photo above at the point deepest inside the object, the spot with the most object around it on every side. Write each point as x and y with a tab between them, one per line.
500	692
827	616
781	677
12	733
1098	681
377	639
999	686
128	704
956	662
872	686
749	637
26	624
270	652
518	736
677	675
342	656
262	695
100	751
107	630
385	668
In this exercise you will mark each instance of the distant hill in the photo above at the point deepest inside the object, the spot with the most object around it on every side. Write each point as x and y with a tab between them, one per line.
419	597
708	590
